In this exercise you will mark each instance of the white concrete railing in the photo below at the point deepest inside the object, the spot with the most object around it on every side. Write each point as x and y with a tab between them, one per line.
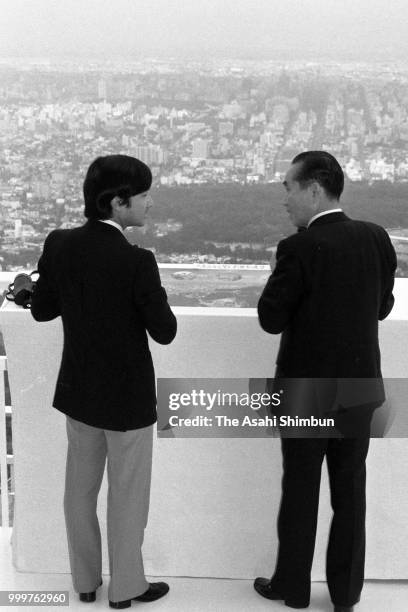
6	460
232	485
238	348
400	312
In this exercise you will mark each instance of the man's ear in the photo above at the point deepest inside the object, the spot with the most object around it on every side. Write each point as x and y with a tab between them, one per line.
116	203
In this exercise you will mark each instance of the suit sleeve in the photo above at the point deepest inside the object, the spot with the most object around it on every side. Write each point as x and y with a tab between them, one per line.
45	304
151	300
387	301
283	291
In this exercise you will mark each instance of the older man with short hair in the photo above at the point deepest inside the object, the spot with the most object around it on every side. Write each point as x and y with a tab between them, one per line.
331	285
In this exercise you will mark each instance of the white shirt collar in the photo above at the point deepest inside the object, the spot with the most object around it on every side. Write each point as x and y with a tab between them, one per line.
325	212
112	222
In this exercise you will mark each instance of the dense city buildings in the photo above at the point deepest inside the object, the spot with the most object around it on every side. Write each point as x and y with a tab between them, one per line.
203	128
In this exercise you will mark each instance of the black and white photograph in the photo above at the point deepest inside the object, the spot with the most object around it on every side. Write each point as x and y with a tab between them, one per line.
204	305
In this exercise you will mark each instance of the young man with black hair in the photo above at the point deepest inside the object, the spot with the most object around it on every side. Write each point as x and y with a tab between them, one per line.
108	294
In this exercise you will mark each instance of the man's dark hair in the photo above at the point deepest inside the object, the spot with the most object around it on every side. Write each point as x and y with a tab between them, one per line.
323	168
110	176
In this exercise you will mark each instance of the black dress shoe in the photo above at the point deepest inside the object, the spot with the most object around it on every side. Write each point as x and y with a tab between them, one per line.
343	608
88	597
263	587
155	591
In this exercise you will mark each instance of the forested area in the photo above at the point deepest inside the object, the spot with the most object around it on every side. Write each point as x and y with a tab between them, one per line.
255	214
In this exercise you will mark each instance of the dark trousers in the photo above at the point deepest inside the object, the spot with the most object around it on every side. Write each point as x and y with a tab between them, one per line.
297	522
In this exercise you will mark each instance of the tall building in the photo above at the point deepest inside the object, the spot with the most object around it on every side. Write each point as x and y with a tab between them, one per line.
102	89
41	188
18	228
200	148
149	154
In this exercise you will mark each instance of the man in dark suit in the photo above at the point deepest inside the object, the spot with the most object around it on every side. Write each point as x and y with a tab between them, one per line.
330	286
108	293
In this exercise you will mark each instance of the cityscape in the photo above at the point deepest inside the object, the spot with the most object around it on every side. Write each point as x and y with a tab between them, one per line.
218	135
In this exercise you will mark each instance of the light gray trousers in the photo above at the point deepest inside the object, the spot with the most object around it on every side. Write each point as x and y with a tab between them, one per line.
129	465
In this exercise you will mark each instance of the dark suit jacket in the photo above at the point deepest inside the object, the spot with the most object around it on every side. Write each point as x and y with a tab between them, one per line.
331	285
108	294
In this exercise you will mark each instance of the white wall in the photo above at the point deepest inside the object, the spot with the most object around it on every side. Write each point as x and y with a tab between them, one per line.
214	502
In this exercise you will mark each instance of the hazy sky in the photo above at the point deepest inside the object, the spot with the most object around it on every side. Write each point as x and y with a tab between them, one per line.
130	28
